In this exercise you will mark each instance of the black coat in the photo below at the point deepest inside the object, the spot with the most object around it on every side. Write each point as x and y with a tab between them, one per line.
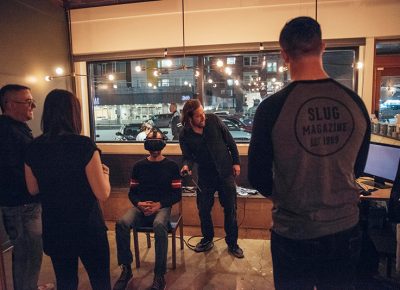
220	144
14	138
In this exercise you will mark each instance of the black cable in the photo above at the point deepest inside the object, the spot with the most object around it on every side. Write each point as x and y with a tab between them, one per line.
192	247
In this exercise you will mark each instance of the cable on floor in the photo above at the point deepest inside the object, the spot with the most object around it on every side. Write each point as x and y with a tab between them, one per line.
192	246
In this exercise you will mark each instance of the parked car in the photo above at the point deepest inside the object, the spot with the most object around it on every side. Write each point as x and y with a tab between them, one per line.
161	120
128	132
238	121
237	133
221	113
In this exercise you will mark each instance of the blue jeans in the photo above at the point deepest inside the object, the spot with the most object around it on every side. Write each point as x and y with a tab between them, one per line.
328	262
135	218
23	225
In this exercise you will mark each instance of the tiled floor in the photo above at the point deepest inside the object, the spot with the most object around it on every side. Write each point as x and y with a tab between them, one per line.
216	269
208	271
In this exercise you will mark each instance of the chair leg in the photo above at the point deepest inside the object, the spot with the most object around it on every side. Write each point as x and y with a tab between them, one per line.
181	234
148	240
136	246
173	250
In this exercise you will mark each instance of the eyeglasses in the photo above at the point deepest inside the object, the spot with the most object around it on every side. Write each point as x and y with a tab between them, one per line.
29	102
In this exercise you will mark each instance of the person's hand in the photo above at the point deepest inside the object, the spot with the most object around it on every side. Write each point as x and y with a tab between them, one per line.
105	168
236	170
152	208
143	206
185	171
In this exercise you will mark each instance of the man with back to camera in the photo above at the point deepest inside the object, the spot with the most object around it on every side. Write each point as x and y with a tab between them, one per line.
176	125
206	141
310	142
154	187
21	212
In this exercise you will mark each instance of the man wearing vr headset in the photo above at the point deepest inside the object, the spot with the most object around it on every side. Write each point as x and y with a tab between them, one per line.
155	186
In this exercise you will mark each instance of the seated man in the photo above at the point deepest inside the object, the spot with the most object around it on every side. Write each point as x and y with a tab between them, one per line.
155	186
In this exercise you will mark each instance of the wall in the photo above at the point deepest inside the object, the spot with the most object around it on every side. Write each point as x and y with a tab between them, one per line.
33	42
158	24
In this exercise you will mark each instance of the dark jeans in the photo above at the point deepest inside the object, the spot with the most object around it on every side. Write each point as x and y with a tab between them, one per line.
328	262
227	197
94	252
135	218
24	228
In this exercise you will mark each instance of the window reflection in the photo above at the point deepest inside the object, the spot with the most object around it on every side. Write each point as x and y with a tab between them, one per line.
127	94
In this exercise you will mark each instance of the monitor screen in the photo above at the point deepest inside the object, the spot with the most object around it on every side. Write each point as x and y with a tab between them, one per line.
382	162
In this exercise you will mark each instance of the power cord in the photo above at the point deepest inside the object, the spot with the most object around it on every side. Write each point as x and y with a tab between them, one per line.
193	246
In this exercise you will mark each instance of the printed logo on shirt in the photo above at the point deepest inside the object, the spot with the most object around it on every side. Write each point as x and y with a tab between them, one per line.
323	126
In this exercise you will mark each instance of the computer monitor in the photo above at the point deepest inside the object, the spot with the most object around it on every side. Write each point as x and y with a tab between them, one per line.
382	164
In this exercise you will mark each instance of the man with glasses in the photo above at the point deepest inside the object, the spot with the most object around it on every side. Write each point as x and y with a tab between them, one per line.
21	211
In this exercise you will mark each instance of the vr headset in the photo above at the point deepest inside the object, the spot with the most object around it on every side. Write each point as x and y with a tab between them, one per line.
154	144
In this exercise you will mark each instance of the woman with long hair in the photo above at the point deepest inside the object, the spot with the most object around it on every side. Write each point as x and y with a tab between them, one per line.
66	169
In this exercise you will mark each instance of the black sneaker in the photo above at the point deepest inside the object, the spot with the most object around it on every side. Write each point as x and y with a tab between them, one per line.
159	283
204	246
236	251
126	275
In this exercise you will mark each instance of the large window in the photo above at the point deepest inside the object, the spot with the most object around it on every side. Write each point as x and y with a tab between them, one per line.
128	96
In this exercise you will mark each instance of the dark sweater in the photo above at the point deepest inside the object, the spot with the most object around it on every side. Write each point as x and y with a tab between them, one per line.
14	138
157	181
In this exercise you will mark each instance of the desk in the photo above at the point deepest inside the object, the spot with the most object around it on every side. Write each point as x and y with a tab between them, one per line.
380	195
377	195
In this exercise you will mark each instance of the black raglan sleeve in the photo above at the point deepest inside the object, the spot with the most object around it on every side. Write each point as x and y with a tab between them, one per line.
260	155
363	152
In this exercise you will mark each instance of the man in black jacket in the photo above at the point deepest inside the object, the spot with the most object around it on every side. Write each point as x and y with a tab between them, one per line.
206	141
21	212
154	187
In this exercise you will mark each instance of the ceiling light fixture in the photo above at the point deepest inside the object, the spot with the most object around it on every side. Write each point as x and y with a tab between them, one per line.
59	71
73	75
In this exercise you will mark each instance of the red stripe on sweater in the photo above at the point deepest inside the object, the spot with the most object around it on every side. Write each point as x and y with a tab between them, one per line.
134	183
176	183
